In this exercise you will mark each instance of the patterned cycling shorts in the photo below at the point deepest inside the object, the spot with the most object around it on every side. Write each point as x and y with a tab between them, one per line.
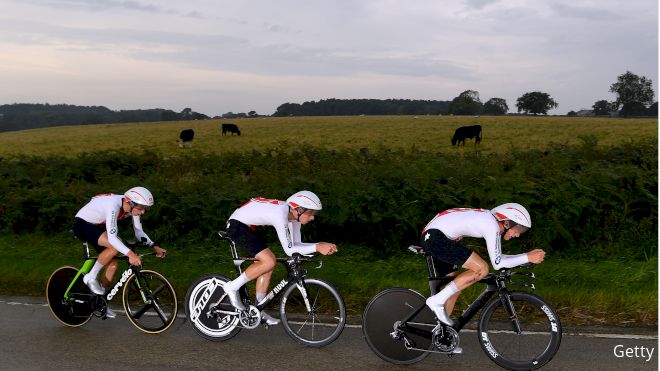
249	238
450	253
89	233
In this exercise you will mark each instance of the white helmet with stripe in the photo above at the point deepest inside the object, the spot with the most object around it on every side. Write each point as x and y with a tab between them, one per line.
304	199
514	212
140	196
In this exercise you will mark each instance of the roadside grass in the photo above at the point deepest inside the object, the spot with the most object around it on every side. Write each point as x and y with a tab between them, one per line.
428	133
620	293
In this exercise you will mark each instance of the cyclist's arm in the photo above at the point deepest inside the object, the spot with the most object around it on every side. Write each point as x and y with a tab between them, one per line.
285	236
499	260
111	228
139	233
297	240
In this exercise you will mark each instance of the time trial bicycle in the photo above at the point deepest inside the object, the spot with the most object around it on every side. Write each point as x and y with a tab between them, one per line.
148	297
517	330
312	311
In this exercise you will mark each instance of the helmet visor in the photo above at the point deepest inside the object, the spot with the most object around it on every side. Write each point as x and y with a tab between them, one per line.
520	229
310	212
138	206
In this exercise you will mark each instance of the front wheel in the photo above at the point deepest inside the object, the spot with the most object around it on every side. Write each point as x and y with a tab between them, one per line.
381	321
150	301
67	310
532	347
313	313
211	318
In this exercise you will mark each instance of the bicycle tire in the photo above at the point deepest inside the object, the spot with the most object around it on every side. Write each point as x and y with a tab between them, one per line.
534	347
211	326
380	316
62	309
322	324
150	301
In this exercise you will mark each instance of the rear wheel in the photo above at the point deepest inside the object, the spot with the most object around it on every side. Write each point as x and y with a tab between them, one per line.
211	318
62	308
382	317
316	317
150	301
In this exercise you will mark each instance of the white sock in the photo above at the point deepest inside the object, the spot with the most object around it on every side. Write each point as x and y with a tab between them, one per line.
95	270
260	296
444	295
237	283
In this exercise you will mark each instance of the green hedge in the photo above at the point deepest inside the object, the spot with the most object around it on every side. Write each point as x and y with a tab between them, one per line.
586	201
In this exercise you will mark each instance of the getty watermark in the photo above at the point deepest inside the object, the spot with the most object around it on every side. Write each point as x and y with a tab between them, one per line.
621	351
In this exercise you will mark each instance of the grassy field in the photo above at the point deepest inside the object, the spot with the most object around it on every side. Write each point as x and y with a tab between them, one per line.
581	291
429	133
593	292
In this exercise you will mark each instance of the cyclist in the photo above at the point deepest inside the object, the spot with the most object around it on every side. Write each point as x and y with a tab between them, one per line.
287	218
440	238
96	223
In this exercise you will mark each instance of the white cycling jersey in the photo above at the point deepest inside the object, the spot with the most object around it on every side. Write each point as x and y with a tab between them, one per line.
106	209
465	222
263	212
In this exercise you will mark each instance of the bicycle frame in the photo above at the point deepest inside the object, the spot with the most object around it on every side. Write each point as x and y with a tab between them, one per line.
494	284
87	267
295	275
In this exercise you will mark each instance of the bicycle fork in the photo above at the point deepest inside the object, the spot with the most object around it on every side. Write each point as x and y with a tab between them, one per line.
303	292
505	299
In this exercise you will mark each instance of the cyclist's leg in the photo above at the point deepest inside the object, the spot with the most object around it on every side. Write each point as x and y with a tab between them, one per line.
265	263
105	258
245	237
449	253
93	234
109	275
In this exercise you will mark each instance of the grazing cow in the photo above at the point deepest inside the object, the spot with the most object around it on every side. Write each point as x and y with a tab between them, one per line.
232	128
467	132
186	138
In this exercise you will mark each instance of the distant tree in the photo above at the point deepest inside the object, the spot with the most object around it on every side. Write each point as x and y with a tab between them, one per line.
232	115
252	114
632	93
467	103
571	114
536	102
603	108
652	110
496	106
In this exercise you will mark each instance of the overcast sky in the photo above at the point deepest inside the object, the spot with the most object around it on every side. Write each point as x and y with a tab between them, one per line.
216	56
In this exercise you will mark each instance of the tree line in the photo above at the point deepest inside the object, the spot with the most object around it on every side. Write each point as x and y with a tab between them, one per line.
20	116
634	97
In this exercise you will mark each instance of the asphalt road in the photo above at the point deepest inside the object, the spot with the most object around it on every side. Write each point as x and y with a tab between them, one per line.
31	339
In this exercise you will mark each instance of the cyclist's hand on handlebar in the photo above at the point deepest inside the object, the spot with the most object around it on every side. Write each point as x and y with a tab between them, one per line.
536	256
134	259
160	252
326	248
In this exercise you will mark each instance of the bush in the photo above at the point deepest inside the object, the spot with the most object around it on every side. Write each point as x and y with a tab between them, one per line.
586	201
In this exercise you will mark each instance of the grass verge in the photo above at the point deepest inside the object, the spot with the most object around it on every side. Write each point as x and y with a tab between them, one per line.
584	293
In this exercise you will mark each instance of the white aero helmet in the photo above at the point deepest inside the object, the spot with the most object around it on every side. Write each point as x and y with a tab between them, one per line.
305	199
140	196
514	212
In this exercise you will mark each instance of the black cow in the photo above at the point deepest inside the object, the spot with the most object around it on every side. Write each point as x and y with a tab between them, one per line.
186	137
232	128
467	132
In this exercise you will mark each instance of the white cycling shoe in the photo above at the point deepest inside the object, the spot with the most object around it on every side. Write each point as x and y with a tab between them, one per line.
441	314
93	285
268	319
109	313
235	299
